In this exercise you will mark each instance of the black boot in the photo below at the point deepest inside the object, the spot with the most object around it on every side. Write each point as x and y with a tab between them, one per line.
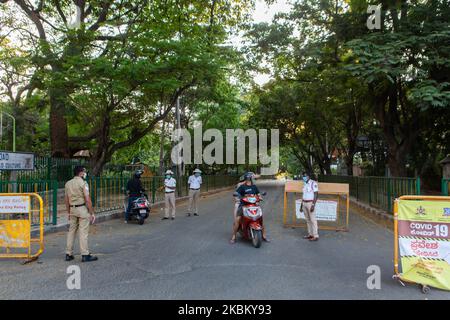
88	258
69	257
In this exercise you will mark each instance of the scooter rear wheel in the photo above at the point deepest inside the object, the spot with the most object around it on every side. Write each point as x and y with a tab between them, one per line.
141	220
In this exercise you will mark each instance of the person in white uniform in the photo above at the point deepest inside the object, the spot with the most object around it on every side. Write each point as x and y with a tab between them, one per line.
169	188
310	195
194	182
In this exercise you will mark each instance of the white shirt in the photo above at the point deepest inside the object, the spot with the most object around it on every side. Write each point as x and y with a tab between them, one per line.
194	182
309	188
170	183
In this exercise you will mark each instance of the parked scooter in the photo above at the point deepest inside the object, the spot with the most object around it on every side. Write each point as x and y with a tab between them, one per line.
251	224
140	209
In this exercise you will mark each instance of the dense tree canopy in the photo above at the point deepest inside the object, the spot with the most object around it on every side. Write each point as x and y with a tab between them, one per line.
342	90
105	76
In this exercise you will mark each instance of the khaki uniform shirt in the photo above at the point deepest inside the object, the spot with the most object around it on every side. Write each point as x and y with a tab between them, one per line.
75	189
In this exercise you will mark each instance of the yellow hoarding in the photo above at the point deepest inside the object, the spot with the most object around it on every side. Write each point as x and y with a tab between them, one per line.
424	242
14	233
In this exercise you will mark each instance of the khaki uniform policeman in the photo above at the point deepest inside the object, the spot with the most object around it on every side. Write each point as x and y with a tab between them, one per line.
81	214
169	188
310	195
194	182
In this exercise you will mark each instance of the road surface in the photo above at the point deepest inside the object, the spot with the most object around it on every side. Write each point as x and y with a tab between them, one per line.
190	258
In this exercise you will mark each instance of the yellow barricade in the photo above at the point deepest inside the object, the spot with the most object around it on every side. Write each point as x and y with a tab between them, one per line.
18	211
333	197
422	240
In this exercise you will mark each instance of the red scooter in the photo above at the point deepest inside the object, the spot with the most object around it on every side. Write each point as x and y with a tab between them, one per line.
251	224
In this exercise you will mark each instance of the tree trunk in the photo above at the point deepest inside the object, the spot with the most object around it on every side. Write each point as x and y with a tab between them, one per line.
161	148
59	138
397	163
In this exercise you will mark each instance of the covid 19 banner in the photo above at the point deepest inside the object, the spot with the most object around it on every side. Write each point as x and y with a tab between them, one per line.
424	241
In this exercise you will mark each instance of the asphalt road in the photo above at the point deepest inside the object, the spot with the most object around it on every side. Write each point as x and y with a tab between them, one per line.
190	258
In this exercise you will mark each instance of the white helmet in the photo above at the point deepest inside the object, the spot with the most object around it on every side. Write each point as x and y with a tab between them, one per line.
169	172
197	171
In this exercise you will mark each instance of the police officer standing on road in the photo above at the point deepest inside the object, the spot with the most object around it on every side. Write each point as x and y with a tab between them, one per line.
169	187
81	213
310	195
194	183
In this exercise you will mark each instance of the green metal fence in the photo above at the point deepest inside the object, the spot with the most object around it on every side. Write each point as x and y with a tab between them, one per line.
47	189
377	191
48	168
107	193
110	193
445	186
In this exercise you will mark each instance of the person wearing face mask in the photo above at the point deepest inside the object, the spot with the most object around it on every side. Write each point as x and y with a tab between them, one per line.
194	183
169	188
310	195
81	214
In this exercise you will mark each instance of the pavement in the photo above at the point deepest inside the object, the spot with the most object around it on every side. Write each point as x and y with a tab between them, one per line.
191	258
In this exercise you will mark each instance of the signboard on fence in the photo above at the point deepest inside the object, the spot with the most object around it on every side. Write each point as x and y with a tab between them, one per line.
14	204
14	233
16	161
424	241
325	210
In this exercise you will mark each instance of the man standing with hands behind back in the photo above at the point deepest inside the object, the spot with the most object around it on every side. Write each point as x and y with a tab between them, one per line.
194	182
170	185
310	195
81	214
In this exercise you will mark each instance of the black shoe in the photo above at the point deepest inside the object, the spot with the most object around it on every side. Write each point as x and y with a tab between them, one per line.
172	218
69	257
165	218
88	258
195	214
188	214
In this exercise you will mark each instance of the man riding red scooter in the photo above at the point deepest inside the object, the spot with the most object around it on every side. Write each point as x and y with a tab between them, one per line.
249	214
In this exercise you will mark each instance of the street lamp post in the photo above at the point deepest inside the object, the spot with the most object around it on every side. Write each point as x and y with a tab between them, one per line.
14	127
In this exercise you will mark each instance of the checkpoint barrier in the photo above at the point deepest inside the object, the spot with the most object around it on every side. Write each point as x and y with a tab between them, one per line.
332	208
18	211
422	240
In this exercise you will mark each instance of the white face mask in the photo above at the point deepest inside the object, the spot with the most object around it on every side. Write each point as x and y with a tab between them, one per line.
84	175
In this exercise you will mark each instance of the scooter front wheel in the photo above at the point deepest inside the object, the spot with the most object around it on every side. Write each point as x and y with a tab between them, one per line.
257	238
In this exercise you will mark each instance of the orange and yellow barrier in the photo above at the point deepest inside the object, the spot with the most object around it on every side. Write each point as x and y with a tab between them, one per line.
422	241
17	214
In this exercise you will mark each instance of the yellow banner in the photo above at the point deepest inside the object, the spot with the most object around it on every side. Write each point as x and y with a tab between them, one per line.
424	241
14	233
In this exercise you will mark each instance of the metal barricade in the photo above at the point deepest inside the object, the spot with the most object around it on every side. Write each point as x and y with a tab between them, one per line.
334	202
18	212
422	241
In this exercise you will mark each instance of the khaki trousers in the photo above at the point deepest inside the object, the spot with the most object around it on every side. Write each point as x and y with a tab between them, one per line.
169	203
194	195
311	220
78	221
